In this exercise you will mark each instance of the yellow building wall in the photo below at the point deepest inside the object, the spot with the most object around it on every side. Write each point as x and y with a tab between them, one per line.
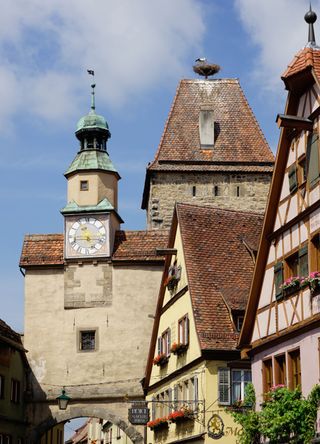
170	318
208	405
206	373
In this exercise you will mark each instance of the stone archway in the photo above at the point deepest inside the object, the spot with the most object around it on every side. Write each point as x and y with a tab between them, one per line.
86	411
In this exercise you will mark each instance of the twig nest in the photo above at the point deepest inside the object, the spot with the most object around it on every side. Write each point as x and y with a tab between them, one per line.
206	69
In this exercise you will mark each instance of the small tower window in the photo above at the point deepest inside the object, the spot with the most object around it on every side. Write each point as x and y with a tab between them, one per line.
216	190
194	191
84	185
238	191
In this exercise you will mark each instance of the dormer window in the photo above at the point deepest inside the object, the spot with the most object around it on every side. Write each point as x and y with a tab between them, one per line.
206	128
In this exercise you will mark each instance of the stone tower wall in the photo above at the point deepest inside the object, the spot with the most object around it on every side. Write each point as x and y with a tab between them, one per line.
236	191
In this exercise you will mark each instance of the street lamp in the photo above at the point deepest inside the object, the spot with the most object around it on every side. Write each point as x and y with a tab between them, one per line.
63	400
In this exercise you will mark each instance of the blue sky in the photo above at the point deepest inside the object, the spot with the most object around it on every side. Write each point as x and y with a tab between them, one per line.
139	51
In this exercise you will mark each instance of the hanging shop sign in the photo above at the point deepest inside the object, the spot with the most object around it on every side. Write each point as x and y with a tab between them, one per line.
139	414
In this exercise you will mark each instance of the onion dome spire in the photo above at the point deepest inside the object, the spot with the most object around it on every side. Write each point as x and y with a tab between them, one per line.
310	17
92	129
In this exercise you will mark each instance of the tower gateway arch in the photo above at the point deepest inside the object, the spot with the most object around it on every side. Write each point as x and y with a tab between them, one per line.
90	296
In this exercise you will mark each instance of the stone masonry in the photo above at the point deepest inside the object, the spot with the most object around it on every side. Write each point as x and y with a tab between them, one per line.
234	191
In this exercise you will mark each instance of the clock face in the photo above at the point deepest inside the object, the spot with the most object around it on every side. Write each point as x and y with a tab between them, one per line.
87	235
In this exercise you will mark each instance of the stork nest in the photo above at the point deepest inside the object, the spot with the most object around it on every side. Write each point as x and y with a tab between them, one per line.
206	69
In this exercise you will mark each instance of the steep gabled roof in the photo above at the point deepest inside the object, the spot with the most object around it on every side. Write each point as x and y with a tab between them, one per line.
219	268
238	136
239	145
130	246
217	259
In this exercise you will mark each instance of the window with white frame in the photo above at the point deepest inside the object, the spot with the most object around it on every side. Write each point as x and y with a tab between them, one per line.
183	330
231	384
164	343
239	380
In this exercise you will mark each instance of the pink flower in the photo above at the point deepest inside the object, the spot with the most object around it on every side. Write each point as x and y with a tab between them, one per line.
277	387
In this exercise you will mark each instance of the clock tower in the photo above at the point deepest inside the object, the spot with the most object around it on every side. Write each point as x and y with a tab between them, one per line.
91	217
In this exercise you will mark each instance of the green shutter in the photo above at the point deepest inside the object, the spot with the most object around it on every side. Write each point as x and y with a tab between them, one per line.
313	159
303	262
278	279
293	181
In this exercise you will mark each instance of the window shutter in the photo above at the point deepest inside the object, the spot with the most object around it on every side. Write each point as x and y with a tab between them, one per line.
168	341
195	396
153	409
224	385
293	182
313	159
278	278
186	331
159	346
175	397
170	399
303	262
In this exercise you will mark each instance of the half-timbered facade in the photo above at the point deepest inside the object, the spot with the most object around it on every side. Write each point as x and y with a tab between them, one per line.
193	371
281	329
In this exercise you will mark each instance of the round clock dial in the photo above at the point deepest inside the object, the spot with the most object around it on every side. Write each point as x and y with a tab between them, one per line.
87	235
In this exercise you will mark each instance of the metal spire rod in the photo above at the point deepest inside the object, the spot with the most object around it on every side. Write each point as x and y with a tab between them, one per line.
310	17
93	104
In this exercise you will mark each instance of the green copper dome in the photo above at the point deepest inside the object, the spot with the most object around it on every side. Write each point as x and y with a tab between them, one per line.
91	121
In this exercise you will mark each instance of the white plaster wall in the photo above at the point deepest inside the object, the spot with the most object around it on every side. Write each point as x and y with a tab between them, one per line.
295	235
286	242
308	344
267	288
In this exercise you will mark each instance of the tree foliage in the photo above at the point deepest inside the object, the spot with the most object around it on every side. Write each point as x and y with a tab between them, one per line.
286	416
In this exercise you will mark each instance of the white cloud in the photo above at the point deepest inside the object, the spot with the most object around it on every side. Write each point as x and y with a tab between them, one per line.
278	29
46	47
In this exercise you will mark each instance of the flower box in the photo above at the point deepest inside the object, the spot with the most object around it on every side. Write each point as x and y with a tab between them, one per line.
178	348
159	423
174	275
314	282
181	415
161	359
291	285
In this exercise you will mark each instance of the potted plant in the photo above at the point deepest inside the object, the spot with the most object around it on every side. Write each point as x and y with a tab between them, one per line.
160	359
314	281
291	285
174	275
185	413
158	423
178	348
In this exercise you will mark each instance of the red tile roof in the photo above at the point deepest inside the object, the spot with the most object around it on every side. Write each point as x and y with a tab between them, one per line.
306	58
47	249
42	249
139	245
239	138
219	268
